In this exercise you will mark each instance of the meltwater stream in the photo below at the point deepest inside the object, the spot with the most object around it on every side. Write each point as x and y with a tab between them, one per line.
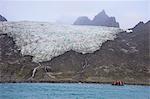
72	91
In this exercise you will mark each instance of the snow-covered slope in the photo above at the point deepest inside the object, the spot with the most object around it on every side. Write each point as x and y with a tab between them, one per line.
45	40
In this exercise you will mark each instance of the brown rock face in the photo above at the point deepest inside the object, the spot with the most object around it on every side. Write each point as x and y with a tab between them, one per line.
126	58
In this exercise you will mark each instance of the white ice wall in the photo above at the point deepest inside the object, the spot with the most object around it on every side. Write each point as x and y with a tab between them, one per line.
45	40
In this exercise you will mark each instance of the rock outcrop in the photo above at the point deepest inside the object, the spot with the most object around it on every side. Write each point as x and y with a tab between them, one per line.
83	21
101	19
126	58
2	18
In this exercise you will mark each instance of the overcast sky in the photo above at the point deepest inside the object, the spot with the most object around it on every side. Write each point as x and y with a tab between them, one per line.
127	13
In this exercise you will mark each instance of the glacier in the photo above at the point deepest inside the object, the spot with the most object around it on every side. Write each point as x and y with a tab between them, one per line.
44	40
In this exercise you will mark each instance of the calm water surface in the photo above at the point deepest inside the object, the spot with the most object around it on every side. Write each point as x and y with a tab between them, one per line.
72	91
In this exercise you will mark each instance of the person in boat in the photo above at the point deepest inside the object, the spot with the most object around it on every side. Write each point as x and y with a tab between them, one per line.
119	83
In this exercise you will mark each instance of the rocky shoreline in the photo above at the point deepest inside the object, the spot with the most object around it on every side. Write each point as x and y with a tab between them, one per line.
79	82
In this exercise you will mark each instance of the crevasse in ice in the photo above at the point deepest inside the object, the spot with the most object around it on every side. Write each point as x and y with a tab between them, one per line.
46	40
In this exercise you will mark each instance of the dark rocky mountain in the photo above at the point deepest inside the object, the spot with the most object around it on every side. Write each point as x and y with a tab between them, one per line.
2	18
101	19
82	21
126	58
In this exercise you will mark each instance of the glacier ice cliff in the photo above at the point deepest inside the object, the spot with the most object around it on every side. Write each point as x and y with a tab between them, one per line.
44	40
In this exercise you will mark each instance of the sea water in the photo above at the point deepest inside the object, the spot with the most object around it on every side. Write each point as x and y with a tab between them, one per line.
72	91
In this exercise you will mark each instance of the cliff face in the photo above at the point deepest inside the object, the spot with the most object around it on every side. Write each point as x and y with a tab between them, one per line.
2	18
125	58
101	19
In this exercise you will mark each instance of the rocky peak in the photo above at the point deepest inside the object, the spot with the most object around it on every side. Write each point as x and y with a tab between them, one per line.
101	15
101	19
148	22
2	18
103	12
82	21
139	24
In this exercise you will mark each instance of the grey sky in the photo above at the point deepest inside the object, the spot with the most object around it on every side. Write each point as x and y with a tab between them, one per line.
127	13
